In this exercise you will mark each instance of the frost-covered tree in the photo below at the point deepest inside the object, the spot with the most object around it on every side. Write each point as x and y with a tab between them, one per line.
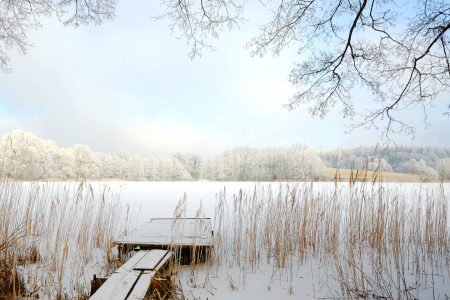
179	172
274	163
136	169
379	164
313	166
23	156
95	167
397	51
19	16
164	169
64	164
443	167
151	168
218	170
26	157
128	166
192	162
397	157
107	165
421	169
301	165
213	169
83	160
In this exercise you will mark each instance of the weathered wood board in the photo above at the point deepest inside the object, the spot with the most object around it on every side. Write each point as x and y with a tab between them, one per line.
128	266
117	287
163	261
141	287
150	260
132	280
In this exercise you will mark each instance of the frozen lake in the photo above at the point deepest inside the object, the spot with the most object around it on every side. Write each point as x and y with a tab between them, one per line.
159	199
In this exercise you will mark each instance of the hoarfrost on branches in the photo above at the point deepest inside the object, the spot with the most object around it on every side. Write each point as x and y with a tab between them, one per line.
398	52
17	17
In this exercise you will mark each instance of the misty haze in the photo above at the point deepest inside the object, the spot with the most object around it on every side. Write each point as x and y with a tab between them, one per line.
224	149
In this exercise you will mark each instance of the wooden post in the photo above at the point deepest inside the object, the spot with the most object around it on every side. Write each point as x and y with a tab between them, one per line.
93	287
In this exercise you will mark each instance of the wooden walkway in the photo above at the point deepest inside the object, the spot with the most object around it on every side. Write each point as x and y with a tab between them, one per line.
132	280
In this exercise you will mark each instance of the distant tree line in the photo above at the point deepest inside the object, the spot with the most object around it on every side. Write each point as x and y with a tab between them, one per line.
432	162
297	162
24	156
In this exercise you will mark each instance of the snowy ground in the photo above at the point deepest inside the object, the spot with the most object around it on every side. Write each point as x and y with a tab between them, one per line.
312	280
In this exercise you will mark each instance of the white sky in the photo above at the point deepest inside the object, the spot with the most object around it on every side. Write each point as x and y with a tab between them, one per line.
129	84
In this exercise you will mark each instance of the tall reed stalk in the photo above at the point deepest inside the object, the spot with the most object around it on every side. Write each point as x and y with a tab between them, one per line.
53	236
381	241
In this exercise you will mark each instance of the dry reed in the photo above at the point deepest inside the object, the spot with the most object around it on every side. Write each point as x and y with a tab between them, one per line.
51	234
376	241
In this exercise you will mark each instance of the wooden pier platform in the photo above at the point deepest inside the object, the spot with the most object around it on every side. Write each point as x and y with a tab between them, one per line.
158	233
154	238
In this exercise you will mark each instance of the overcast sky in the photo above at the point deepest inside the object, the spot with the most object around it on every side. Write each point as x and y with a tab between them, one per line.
129	84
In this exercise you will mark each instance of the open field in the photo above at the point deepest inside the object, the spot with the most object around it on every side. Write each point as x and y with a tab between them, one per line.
345	174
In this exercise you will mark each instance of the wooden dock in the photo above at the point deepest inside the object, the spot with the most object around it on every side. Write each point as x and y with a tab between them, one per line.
159	233
132	280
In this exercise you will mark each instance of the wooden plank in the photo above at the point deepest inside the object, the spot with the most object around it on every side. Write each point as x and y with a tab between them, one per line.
128	266
109	285
129	281
141	288
117	287
150	260
163	261
122	290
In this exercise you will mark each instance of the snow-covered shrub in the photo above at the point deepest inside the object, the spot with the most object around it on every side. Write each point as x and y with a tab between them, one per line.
443	167
421	169
375	163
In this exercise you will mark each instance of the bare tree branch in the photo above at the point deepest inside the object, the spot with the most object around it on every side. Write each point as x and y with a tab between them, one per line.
344	45
17	17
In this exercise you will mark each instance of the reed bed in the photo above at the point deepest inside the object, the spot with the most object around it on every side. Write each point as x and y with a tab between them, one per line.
375	241
54	237
194	254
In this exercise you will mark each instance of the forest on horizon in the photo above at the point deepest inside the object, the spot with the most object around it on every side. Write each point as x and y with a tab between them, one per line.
24	156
